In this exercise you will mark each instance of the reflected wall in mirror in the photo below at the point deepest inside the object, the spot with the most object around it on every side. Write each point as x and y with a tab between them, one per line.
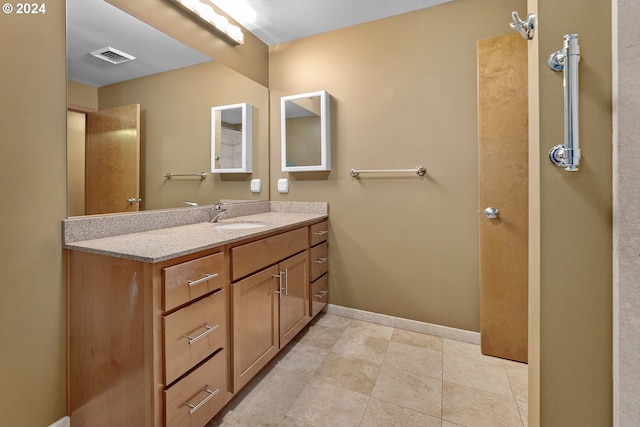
175	108
232	138
306	132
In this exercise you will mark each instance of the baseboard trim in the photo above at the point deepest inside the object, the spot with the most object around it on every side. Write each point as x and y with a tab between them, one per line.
62	422
406	324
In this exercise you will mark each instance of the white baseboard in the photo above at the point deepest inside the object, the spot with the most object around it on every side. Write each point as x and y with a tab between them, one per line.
62	422
406	324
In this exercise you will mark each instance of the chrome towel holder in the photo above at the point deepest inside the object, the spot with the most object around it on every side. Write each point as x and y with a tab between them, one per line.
419	170
169	175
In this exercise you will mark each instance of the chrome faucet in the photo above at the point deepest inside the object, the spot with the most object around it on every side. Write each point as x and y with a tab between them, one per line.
218	210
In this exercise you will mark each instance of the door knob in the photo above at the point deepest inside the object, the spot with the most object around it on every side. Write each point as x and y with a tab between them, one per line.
132	200
491	213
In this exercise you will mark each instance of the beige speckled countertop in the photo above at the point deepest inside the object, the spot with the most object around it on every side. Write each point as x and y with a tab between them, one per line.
171	242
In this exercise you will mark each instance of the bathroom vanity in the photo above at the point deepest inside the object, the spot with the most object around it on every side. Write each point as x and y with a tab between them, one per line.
167	325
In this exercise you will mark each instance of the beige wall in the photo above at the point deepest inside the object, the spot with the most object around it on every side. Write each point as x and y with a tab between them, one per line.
403	94
572	315
32	185
176	132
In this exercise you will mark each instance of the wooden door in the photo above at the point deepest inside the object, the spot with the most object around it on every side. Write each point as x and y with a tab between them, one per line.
255	324
294	299
503	184
112	160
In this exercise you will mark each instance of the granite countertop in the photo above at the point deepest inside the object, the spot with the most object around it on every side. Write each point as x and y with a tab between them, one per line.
170	242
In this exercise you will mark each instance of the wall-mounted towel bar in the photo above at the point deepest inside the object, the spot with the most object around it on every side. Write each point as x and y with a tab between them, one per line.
170	175
419	170
567	155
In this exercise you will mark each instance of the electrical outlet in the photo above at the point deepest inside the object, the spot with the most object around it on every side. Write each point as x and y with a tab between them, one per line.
283	185
256	185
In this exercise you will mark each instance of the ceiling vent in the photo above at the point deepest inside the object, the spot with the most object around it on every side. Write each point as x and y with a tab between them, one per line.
112	55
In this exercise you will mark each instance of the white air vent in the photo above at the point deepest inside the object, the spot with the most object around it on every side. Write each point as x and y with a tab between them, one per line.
112	55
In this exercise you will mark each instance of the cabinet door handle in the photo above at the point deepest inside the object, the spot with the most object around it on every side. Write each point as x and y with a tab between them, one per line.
197	406
321	260
209	329
279	276
204	279
320	232
321	294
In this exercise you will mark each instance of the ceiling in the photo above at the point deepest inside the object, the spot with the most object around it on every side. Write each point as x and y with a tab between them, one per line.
95	24
278	21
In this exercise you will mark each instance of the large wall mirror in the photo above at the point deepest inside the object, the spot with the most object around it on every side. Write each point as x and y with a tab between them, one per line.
306	133
231	138
172	88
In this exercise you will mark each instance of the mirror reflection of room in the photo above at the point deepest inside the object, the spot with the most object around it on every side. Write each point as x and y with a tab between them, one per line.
306	141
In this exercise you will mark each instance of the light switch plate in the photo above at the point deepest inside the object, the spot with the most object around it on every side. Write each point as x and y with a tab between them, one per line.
256	185
283	185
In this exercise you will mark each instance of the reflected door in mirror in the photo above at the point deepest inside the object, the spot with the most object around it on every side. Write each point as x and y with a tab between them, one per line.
306	144
109	149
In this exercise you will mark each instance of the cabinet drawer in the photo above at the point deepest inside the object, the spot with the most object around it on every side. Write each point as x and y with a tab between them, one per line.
318	233
189	280
319	294
319	260
196	398
192	333
254	256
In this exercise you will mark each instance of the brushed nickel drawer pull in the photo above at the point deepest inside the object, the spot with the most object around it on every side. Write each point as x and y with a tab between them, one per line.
209	329
204	279
320	232
321	260
321	294
197	406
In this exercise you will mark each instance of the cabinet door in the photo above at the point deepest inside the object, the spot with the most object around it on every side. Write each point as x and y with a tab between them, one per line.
255	324
294	296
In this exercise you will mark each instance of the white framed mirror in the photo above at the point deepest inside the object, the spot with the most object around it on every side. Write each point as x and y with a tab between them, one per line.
231	138
306	132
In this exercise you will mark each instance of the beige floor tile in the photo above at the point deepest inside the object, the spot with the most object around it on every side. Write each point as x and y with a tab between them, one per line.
458	348
370	329
323	404
361	347
477	373
278	390
241	413
293	422
446	423
415	360
354	375
385	414
417	339
331	321
423	394
523	407
322	337
302	359
518	374
471	407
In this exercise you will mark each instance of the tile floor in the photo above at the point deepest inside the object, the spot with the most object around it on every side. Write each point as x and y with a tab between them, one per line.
341	372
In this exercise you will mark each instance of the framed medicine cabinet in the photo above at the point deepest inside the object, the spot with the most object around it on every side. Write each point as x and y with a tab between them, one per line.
306	132
231	138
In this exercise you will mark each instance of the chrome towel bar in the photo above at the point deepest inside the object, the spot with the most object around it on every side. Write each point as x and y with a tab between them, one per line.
170	175
419	170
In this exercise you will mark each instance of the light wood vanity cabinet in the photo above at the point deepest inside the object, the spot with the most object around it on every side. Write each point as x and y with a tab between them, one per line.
319	277
271	306
170	343
148	343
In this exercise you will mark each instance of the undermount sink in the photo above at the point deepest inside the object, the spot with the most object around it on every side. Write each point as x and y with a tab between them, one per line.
239	225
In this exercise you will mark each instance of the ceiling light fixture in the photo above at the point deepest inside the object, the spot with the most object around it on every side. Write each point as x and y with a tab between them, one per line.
218	24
